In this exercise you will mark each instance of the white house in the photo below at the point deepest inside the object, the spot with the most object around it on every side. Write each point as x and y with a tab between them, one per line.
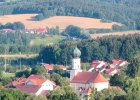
33	84
97	65
118	63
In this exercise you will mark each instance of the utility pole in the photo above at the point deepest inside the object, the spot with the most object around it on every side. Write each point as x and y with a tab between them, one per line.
134	25
5	66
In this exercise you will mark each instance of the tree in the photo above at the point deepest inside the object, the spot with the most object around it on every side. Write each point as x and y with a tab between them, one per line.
5	80
0	85
34	97
10	94
24	73
133	68
39	70
109	94
18	26
73	31
132	85
63	93
117	79
92	95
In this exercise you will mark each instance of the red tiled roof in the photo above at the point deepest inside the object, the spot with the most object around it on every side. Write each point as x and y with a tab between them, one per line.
28	88
109	70
118	87
37	81
86	91
9	30
79	89
14	83
85	77
118	62
51	67
62	67
96	63
41	30
56	87
34	76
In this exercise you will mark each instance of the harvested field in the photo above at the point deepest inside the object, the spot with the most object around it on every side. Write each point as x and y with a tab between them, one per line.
61	21
114	33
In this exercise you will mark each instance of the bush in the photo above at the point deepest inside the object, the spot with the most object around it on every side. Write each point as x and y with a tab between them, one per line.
24	73
39	70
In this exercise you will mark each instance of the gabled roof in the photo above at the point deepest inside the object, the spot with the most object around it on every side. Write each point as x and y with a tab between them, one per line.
118	87
109	70
97	64
14	83
86	77
51	67
37	81
28	88
87	91
119	62
34	76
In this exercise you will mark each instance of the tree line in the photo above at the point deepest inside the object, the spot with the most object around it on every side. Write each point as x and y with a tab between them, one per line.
126	12
105	48
14	43
14	26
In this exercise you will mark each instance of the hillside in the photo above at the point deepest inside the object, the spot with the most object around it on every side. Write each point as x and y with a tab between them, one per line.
61	21
114	33
124	11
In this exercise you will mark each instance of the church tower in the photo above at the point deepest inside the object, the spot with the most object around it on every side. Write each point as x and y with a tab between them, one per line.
76	63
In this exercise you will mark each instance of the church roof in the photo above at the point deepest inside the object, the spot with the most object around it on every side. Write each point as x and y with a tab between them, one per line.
76	52
88	77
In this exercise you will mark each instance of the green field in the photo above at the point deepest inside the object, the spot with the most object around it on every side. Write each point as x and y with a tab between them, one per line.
47	40
9	75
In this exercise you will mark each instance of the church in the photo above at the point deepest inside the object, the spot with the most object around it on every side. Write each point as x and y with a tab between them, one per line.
83	82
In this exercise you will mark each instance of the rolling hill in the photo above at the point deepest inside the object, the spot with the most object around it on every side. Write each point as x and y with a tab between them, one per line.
61	21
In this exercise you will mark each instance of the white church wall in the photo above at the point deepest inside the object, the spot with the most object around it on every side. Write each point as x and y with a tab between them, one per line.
76	63
100	86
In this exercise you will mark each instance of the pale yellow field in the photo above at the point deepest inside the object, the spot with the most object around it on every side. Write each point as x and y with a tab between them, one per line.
61	21
114	33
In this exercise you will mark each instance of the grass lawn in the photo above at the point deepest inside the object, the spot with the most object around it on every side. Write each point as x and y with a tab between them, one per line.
47	40
8	75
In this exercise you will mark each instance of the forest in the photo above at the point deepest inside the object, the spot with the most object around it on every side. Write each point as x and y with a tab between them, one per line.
14	43
125	11
105	48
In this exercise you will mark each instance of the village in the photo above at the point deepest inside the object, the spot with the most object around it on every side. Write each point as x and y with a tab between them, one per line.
82	82
31	31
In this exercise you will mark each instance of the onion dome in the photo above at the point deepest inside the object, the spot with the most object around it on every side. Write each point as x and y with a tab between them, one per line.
76	53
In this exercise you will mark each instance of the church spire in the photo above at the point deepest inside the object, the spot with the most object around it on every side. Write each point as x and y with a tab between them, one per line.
76	53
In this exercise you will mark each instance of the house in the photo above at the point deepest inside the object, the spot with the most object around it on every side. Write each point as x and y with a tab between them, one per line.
83	82
33	84
97	65
51	67
111	71
8	30
118	63
41	30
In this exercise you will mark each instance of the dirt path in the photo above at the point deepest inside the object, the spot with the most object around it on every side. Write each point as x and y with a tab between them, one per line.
114	33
